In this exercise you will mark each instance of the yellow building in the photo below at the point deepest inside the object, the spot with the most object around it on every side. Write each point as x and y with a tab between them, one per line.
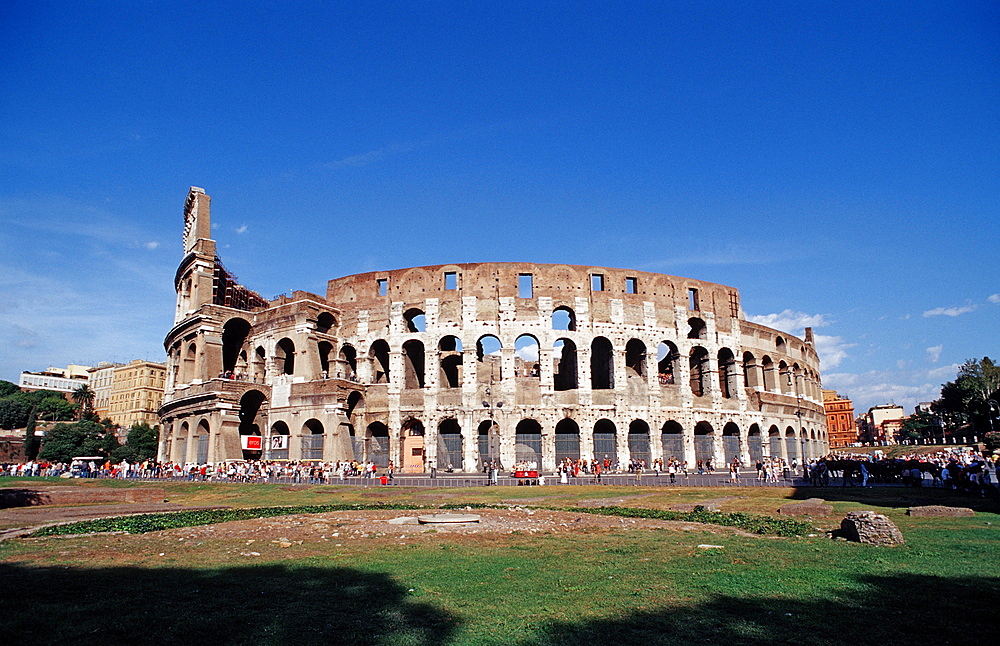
101	379
136	393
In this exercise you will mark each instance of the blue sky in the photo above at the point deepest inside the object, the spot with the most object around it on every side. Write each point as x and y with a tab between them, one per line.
835	161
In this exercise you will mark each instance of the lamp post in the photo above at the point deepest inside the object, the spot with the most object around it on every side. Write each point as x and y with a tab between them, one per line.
491	407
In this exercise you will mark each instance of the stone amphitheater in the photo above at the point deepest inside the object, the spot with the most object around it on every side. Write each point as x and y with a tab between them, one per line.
451	365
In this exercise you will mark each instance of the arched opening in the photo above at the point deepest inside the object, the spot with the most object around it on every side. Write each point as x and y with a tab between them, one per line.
312	440
376	448
180	444
606	441
751	372
449	447
784	378
779	344
602	364
638	443
672	441
450	362
250	407
413	364
697	328
379	356
564	365
278	441
563	318
730	442
528	444
770	378
666	355
190	363
699	371
792	446
526	351
488	442
201	442
284	353
704	443
324	322
489	366
567	440
412	441
755	443
635	360
727	373
774	441
259	365
234	335
349	362
324	348
415	320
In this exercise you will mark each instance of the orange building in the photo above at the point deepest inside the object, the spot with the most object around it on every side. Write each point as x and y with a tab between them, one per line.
840	424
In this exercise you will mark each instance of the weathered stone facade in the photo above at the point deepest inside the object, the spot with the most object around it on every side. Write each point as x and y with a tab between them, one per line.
450	364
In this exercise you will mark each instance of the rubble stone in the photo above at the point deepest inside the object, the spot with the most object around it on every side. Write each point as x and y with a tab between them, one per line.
871	528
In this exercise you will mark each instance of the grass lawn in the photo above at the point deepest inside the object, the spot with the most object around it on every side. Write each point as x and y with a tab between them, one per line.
594	587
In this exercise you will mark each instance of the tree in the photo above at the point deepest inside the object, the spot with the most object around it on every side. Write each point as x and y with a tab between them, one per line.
143	440
7	388
14	412
63	442
30	439
920	426
965	401
84	397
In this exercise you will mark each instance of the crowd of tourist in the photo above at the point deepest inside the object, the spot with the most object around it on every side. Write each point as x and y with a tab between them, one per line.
955	468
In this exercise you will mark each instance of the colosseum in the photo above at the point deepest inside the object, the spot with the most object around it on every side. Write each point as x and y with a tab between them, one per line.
451	365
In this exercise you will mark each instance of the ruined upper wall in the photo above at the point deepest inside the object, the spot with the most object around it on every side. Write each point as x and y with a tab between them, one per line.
564	284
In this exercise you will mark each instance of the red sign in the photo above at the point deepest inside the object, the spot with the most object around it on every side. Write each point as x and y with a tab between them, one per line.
252	442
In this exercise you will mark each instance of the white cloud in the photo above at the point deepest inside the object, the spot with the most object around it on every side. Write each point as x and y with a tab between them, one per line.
241	229
994	298
832	350
934	353
904	388
790	321
950	311
152	244
528	352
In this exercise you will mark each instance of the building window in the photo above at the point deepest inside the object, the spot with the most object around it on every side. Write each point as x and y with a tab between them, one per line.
693	299
597	282
383	286
450	280
631	285
525	286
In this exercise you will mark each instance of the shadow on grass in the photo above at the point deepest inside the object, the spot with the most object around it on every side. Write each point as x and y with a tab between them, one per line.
876	610
240	605
898	496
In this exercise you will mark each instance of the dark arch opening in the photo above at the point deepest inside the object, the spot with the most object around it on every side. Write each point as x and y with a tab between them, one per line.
413	364
565	376
379	354
635	359
606	442
415	320
567	440
234	335
528	443
672	441
450	445
324	322
286	353
638	444
602	364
